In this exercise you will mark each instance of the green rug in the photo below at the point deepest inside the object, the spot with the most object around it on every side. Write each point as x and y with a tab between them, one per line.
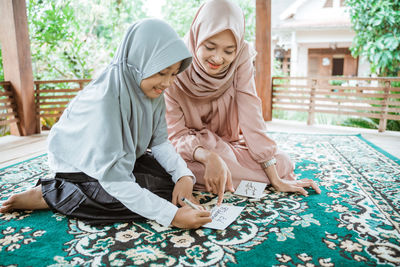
354	222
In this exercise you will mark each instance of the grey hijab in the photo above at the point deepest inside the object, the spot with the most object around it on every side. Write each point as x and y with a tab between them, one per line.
111	122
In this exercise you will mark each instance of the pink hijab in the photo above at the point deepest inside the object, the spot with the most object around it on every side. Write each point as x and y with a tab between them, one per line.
212	18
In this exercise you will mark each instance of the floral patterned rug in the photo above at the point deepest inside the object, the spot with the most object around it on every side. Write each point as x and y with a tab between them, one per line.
354	222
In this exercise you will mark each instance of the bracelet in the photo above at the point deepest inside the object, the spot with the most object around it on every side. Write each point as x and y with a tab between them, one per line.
268	163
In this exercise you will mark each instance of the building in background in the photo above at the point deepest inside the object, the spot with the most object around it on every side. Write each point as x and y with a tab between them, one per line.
312	38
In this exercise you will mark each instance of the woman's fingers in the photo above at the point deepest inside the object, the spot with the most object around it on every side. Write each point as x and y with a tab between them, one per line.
301	190
207	184
229	184
309	183
215	186
221	191
211	185
315	187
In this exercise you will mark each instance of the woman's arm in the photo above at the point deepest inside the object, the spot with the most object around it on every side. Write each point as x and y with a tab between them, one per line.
185	140
288	185
261	147
188	143
217	176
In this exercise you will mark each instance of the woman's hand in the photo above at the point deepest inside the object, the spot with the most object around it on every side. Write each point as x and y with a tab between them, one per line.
189	218
282	185
183	188
296	186
217	176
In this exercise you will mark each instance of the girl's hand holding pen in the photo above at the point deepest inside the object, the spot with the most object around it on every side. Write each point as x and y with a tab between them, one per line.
189	218
190	204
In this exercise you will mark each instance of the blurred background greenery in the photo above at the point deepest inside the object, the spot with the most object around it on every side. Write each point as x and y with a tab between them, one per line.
73	39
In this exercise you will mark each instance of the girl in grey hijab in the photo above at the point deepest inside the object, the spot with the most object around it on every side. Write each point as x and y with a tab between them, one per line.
98	149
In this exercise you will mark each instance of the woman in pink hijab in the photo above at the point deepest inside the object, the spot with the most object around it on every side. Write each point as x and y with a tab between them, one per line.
213	112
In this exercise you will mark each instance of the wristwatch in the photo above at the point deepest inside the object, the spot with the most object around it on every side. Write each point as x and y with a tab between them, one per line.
268	163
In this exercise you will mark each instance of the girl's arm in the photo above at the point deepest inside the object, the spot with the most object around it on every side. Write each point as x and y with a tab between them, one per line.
172	162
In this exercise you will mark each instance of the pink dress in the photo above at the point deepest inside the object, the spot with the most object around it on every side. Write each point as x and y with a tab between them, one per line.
222	114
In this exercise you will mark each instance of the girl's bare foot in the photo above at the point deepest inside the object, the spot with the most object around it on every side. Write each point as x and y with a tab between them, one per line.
28	200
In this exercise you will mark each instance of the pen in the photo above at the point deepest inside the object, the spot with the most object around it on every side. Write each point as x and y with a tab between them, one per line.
190	204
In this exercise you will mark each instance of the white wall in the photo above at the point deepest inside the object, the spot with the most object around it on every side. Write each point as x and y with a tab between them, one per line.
325	36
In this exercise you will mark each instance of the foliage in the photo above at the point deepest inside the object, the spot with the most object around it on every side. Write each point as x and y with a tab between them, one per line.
371	123
65	36
4	130
377	27
181	18
75	39
336	82
69	42
361	123
393	125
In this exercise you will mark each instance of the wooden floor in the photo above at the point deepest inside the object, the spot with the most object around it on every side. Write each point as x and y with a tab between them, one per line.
15	149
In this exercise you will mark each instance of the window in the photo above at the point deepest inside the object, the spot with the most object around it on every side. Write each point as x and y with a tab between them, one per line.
337	66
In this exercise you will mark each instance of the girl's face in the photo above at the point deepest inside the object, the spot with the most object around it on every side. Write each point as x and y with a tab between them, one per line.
154	85
217	52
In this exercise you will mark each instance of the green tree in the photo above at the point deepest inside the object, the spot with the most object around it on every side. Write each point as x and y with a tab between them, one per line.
377	27
180	14
72	39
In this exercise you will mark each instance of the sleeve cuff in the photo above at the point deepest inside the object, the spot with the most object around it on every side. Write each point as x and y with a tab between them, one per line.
191	175
167	214
184	172
194	150
171	161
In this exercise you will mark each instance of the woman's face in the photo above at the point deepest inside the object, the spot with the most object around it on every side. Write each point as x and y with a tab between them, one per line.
155	85
217	52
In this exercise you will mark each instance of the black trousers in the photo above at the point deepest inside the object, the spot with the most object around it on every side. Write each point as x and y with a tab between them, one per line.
80	196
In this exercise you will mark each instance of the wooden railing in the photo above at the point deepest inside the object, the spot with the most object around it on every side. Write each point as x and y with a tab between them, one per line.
361	97
52	97
351	96
8	106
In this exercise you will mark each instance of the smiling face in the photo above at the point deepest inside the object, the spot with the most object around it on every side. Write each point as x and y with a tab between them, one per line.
154	85
217	52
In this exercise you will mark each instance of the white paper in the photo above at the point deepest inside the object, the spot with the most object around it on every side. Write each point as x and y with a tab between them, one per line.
222	216
250	189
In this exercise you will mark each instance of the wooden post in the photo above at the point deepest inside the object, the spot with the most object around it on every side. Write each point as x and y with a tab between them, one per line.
17	62
384	112
263	58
